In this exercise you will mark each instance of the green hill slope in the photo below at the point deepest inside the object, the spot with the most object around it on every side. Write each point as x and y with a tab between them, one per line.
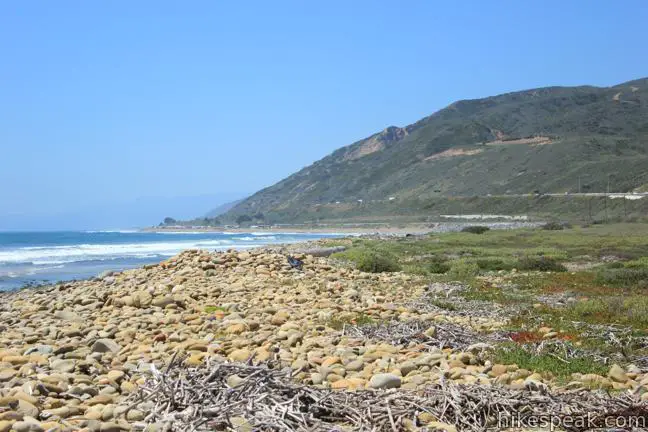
546	139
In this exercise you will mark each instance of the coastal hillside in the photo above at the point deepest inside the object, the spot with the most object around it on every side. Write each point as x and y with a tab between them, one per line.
547	140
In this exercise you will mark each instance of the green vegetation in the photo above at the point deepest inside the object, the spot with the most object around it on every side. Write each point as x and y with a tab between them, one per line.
523	249
624	277
212	309
495	264
631	311
546	362
462	270
369	260
437	265
198	222
525	273
443	304
485	291
540	263
359	319
640	263
553	226
516	147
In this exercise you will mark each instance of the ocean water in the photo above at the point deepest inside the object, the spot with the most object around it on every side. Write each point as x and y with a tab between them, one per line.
32	258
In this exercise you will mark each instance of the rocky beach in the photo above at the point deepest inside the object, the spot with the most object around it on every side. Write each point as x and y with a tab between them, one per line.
93	355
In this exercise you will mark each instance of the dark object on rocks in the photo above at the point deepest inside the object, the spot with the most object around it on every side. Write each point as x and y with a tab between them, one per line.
295	263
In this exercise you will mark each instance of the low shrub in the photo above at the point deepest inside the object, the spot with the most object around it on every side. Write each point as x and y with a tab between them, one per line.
639	263
416	269
437	265
623	277
554	226
373	262
475	229
370	261
540	263
493	264
631	311
462	270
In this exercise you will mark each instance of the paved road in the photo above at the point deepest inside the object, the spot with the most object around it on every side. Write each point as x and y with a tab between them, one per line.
593	194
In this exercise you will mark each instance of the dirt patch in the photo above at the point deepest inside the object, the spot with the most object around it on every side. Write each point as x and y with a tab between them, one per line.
539	140
452	153
581	265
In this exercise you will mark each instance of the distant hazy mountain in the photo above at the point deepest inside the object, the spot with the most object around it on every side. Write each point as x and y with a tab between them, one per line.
547	139
221	209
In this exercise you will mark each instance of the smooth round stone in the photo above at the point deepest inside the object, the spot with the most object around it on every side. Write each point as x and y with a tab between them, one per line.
27	409
355	365
26	426
5	425
240	355
385	381
135	415
7	374
317	378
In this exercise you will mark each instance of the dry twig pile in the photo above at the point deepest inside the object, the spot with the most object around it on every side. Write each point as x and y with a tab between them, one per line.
229	396
445	335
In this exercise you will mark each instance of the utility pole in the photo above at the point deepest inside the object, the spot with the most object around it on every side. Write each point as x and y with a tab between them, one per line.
608	186
579	184
607	195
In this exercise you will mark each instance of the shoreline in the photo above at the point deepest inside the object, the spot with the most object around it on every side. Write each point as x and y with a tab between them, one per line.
340	232
360	229
357	229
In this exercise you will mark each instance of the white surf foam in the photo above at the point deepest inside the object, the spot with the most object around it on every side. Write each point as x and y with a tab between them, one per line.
131	231
185	232
48	255
56	255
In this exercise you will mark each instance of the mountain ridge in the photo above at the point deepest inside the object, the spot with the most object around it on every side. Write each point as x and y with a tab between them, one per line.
517	142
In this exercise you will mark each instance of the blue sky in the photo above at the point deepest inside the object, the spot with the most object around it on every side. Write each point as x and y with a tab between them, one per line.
107	102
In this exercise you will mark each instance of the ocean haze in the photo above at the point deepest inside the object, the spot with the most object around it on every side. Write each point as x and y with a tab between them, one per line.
139	213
